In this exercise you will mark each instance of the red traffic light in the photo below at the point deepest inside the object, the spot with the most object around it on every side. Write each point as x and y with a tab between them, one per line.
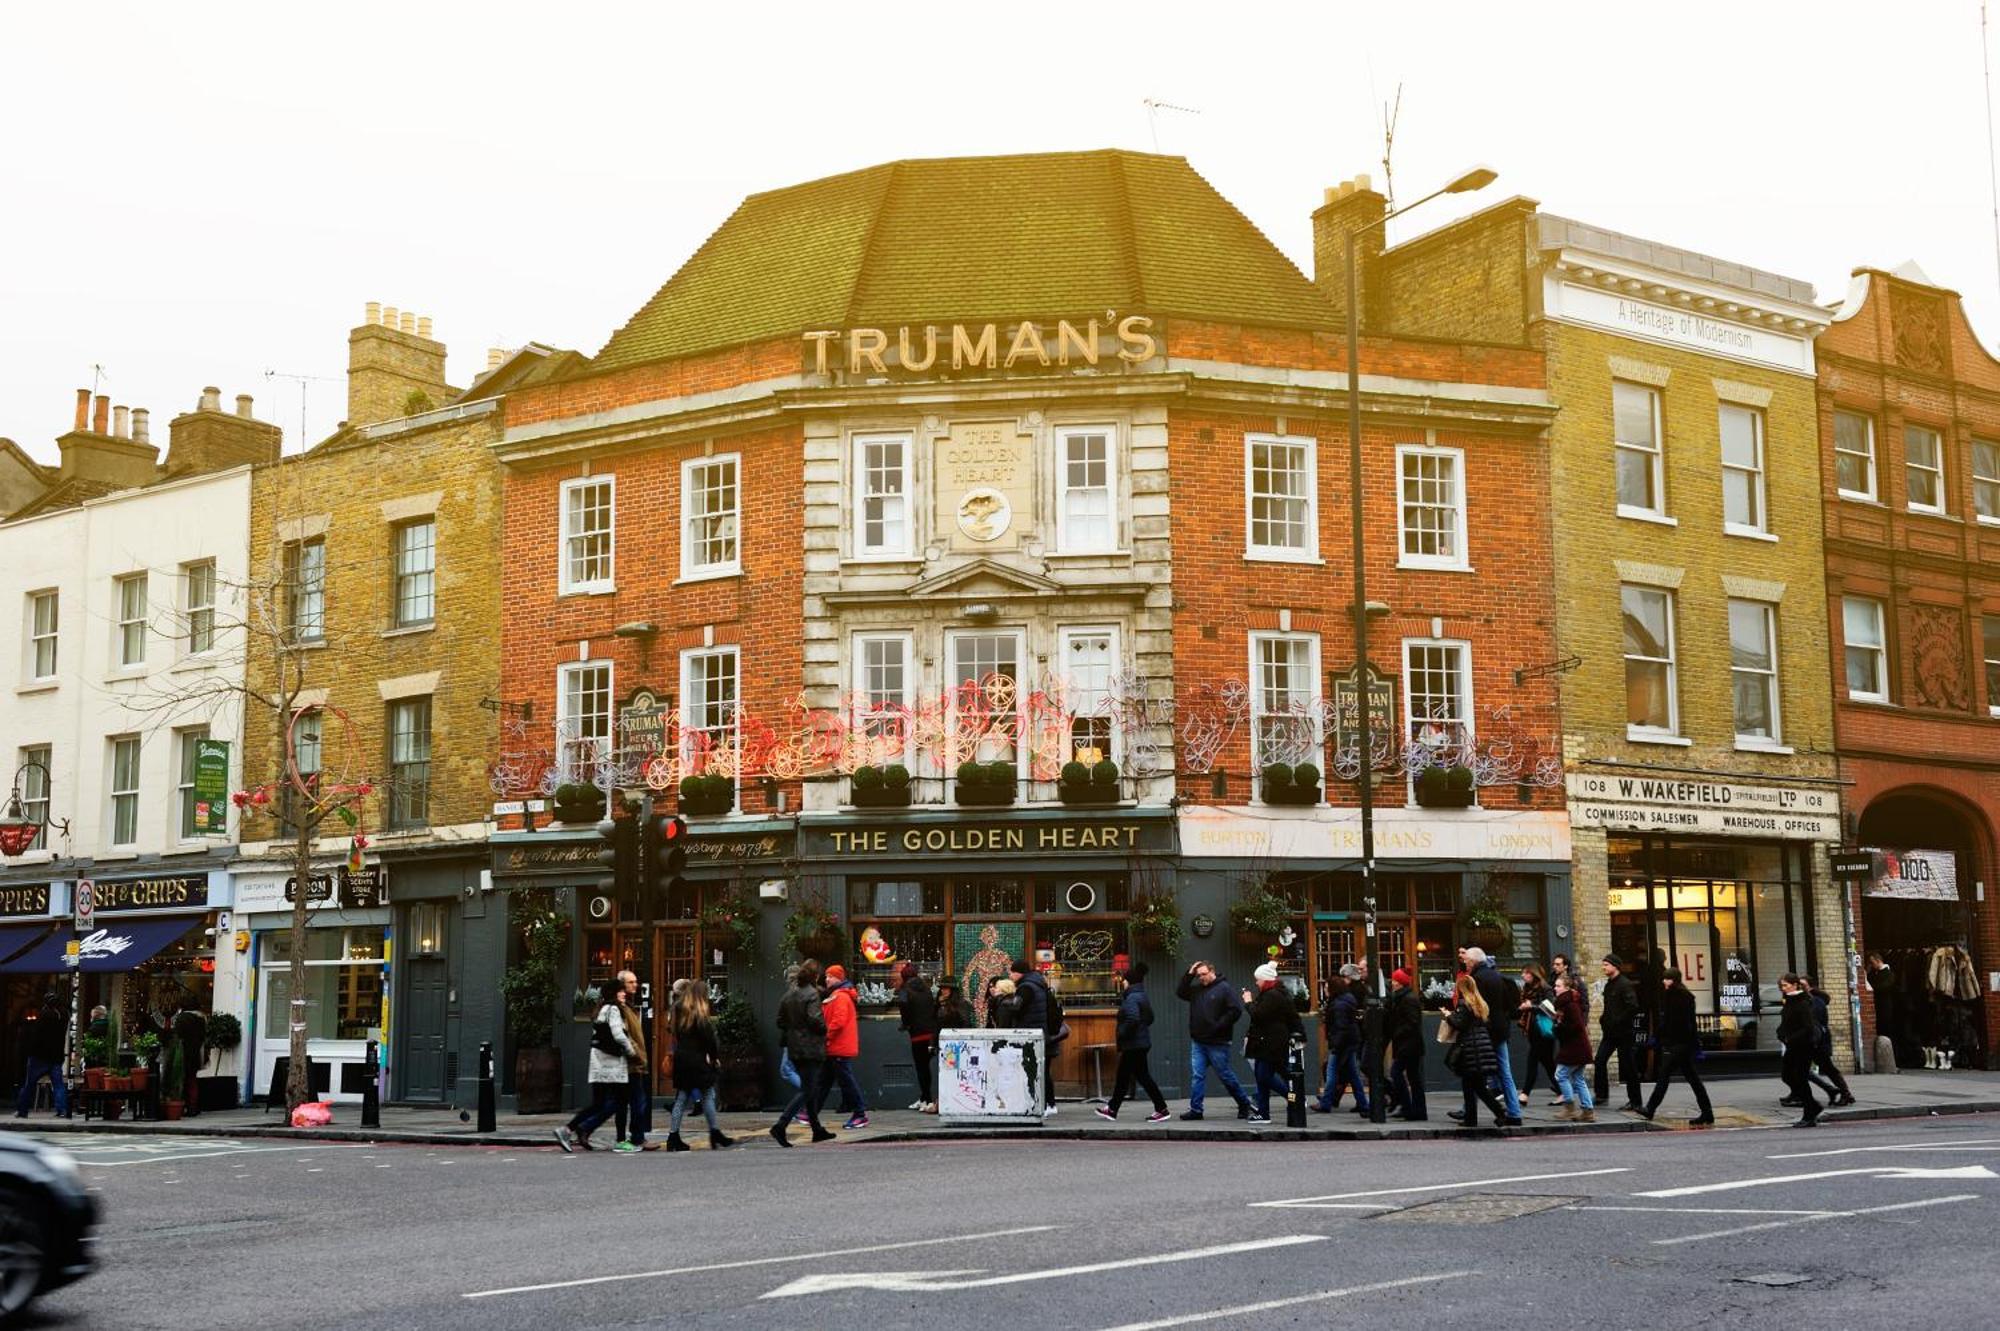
673	829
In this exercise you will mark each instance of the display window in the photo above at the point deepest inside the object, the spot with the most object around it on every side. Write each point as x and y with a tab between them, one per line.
1414	927
343	983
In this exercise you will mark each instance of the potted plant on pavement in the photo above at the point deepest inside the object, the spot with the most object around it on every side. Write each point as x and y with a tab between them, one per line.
146	1048
96	1051
740	1039
529	990
173	1080
1257	914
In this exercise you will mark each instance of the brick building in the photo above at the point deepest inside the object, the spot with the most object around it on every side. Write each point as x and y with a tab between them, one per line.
374	593
1910	465
955	538
1697	724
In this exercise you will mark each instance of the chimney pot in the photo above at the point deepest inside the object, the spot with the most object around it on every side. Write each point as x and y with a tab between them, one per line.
494	355
243	406
423	325
211	399
141	432
121	422
100	415
82	408
389	316
409	324
1361	181
373	313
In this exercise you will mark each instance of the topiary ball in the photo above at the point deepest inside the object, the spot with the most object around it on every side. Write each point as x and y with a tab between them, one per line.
1458	779
896	776
1003	774
1305	776
972	775
1075	774
1277	775
867	778
1431	780
1105	773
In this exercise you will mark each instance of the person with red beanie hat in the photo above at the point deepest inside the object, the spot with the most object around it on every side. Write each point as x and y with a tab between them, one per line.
1403	1033
843	1044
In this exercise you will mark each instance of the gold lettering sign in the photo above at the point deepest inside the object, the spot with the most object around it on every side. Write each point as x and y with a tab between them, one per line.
1003	345
985	485
957	839
151	893
30	900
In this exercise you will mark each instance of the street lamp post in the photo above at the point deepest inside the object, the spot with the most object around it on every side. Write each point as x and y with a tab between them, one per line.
1479	177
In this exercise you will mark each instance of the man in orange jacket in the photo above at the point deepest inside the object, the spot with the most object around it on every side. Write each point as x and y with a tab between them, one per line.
843	1044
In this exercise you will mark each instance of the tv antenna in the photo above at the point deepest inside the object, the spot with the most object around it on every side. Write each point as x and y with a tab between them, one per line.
1390	110
301	380
1153	107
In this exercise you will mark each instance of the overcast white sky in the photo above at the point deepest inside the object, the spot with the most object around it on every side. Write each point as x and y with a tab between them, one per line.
198	194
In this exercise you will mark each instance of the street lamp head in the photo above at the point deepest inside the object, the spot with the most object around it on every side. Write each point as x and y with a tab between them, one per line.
1479	177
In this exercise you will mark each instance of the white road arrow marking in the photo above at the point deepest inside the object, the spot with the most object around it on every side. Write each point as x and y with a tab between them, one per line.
1879	1171
1810	1219
1309	1202
911	1281
1979	1144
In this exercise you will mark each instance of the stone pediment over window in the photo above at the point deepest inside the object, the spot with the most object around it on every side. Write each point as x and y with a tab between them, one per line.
985	580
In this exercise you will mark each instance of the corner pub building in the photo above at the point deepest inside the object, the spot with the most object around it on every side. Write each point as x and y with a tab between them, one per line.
965	532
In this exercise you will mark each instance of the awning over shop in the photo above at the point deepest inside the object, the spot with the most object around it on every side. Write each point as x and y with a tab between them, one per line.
117	945
16	938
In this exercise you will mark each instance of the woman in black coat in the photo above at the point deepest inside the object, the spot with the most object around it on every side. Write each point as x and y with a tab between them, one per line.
1538	1026
920	1023
697	1058
1798	1032
1471	1057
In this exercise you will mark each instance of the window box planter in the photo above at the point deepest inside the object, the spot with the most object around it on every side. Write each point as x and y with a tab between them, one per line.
1088	783
1285	784
880	787
578	803
1445	788
707	796
985	785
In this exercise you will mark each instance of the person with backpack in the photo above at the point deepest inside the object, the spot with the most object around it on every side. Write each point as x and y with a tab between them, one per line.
1040	1010
1274	1020
1213	1011
1343	1047
802	1025
1538	1023
919	1013
610	1074
1134	1038
1572	1052
1679	1047
843	1046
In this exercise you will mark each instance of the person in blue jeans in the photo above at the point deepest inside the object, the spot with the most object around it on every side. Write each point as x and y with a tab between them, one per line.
1274	1022
1213	1011
1343	1043
1503	1000
45	1032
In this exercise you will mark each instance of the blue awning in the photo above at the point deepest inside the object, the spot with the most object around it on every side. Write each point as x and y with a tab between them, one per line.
115	945
15	938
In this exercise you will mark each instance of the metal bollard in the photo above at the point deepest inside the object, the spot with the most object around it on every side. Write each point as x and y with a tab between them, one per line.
486	1119
1295	1084
371	1087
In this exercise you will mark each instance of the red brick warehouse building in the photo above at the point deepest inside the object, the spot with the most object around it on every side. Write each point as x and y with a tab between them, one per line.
1910	430
972	533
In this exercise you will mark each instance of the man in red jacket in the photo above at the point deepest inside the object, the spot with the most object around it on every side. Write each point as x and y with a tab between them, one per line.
843	1044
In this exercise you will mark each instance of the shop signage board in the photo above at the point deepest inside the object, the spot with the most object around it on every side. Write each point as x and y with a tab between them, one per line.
1851	866
1282	834
1347	709
982	839
24	900
162	892
1703	808
1686	328
1914	875
211	787
642	722
990	1076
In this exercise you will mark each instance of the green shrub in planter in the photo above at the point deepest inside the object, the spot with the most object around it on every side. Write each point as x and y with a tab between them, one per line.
1105	774
706	794
871	789
1003	774
1075	774
1305	776
1458	780
896	777
867	779
1277	776
972	776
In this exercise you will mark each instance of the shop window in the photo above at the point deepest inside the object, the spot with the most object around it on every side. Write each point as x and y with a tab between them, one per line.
1854	454
343	983
1867	649
34	767
583	719
1431	506
1923	469
588	534
1414	927
305	591
1652	708
1281	497
42	621
414	571
1635	411
130	600
1742	432
882	492
198	606
1753	671
709	507
1085	512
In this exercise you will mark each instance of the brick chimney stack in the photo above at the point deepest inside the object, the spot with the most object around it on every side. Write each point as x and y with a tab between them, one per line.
103	448
211	439
1349	206
395	368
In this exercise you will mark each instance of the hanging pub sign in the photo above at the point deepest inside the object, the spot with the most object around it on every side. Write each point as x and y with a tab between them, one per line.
356	891
1381	693
642	722
211	787
1914	875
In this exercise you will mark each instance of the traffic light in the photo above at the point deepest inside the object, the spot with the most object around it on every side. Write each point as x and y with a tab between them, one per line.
618	881
664	859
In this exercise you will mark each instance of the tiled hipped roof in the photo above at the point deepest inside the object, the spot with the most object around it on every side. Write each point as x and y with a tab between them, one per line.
959	238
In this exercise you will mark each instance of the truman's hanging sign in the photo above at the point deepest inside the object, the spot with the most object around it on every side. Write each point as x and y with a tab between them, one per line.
957	348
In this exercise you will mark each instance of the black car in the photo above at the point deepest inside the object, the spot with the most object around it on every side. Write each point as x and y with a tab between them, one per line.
45	1221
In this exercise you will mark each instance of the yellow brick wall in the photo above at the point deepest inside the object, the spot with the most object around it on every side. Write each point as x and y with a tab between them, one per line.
348	487
1467	281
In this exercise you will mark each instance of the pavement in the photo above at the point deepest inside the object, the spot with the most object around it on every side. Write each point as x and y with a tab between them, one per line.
1860	1223
1739	1102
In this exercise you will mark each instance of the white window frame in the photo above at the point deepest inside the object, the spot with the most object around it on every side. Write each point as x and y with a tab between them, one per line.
690	568
197	617
424	575
905	494
1672	731
1469	722
1879	648
305	597
1872	493
36	763
1657	451
1114	747
864	709
1759	490
1258	710
1405	558
1989	637
399	795
186	744
1986	485
1744	740
567	691
568	584
734	725
1067	542
36	635
1943	504
118	792
952	639
125	626
1279	553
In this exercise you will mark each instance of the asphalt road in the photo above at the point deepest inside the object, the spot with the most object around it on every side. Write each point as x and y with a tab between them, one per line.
1886	1224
